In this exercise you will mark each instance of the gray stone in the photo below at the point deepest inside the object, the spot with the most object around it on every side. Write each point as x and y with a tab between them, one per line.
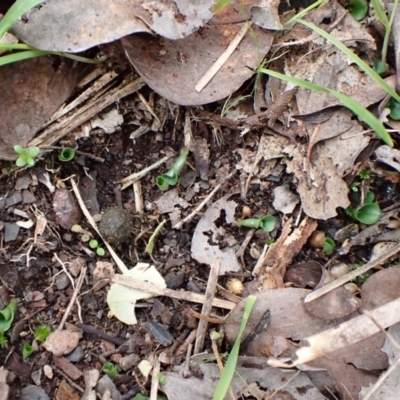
129	361
15	198
23	182
28	197
10	232
63	282
76	355
32	392
106	384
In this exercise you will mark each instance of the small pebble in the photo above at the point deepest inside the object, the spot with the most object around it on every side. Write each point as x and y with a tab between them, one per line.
37	376
10	232
32	392
63	282
160	334
28	197
48	371
23	182
14	199
76	355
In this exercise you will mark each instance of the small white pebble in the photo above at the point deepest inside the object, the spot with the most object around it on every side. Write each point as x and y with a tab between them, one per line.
48	371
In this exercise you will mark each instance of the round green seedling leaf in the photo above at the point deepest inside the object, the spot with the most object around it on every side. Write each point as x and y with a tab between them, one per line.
358	9
100	251
21	162
27	351
33	151
18	149
67	154
380	67
110	369
394	107
93	244
329	246
368	214
268	223
369	198
7	316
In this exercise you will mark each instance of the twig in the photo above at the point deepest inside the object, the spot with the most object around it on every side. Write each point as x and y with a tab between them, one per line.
151	288
283	386
219	362
72	284
73	298
122	267
352	275
384	376
137	190
204	202
154	380
100	334
213	70
207	305
129	180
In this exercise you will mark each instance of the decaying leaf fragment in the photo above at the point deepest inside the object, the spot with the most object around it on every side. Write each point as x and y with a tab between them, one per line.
208	235
344	335
122	299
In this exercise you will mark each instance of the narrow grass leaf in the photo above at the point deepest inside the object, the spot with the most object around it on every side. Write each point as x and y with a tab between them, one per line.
380	13
353	57
303	12
22	55
19	8
230	366
221	4
354	106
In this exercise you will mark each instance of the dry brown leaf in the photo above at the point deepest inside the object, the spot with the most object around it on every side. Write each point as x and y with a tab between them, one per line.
31	91
173	68
75	26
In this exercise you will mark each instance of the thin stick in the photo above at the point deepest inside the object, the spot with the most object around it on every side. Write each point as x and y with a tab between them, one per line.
352	275
73	298
139	175
206	78
283	386
207	305
120	264
219	362
154	380
188	296
204	202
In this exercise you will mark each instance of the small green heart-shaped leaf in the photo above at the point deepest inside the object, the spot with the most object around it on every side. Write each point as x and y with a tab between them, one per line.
18	149
21	162
394	107
33	151
368	214
380	67
358	9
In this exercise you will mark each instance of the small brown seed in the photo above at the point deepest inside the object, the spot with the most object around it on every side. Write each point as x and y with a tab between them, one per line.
235	286
246	212
317	240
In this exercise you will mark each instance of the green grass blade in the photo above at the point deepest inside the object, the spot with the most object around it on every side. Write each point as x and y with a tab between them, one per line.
19	8
220	5
230	366
380	13
15	46
353	57
303	12
22	55
354	106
